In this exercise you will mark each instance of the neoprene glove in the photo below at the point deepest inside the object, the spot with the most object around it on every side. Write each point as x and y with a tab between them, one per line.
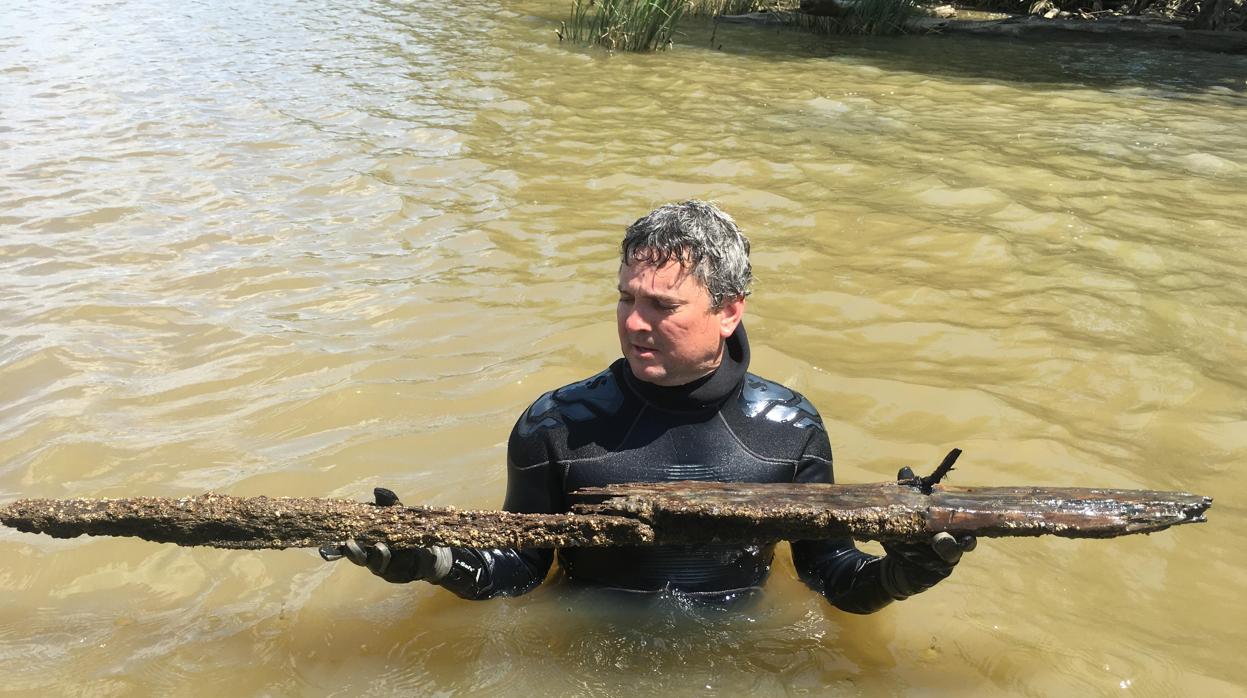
393	565
910	568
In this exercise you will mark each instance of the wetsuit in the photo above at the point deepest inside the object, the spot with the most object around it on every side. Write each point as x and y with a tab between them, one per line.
730	426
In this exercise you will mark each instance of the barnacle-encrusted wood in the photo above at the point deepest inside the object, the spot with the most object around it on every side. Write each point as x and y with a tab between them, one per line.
222	521
632	514
692	511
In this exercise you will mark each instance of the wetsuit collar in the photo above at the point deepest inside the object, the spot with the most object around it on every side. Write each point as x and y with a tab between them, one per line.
704	392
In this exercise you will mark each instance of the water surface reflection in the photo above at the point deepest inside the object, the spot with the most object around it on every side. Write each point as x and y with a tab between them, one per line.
308	248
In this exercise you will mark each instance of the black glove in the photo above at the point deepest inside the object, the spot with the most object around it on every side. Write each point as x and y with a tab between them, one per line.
398	566
910	568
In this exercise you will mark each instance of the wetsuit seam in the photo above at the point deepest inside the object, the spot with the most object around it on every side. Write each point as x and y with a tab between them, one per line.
586	459
530	467
635	421
750	451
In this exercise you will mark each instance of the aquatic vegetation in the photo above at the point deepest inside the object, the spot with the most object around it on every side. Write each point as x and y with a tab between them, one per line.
875	17
714	8
624	25
860	17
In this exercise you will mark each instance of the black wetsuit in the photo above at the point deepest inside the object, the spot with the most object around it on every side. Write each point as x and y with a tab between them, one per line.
731	426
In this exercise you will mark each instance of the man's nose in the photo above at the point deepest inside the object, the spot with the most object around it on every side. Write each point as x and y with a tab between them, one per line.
634	321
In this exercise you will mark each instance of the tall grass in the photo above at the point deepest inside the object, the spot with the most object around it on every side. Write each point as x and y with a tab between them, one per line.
714	8
862	17
623	25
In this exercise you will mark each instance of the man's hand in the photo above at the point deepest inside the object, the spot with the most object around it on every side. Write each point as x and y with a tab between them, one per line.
397	566
914	567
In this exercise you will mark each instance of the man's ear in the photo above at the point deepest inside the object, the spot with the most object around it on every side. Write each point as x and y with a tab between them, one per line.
730	315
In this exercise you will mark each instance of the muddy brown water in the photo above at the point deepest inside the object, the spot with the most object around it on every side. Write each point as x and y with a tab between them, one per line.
307	248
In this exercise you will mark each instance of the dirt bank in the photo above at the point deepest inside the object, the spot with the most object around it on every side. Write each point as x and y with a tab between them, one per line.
1125	29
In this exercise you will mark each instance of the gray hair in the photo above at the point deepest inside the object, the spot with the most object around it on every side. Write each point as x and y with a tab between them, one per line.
702	238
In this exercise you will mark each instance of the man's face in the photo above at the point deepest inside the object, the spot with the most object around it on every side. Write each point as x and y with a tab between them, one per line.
667	330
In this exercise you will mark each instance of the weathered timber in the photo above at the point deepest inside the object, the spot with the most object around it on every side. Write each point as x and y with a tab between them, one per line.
691	511
256	523
635	514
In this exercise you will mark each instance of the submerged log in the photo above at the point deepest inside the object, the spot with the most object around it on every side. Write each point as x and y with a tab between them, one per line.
632	514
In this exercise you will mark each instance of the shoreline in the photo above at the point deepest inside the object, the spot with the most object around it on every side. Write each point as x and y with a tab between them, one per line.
1129	29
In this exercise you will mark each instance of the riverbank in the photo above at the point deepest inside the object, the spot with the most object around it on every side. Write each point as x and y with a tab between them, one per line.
1111	29
1122	29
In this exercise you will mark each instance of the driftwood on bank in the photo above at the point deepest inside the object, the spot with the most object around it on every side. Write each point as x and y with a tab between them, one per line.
633	514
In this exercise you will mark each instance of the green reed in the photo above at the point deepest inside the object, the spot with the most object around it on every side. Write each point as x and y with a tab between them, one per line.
714	8
623	25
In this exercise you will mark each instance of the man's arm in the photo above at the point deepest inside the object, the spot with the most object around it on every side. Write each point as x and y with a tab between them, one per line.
852	580
531	488
472	573
484	574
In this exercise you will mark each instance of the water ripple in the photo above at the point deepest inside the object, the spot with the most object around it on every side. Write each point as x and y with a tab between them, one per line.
313	247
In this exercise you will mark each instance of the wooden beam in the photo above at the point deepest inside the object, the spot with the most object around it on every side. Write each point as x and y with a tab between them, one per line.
633	514
256	523
690	511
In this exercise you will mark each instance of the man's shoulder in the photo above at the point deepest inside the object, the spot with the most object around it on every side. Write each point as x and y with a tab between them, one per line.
595	397
765	400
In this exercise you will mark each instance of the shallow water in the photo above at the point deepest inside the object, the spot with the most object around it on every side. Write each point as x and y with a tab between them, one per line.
308	248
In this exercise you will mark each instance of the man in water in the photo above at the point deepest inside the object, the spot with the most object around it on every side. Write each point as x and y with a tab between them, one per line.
679	405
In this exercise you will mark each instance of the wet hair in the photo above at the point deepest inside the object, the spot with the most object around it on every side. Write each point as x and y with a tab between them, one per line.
702	238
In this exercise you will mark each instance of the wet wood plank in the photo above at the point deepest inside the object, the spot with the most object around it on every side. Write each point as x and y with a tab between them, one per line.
634	514
256	523
688	511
